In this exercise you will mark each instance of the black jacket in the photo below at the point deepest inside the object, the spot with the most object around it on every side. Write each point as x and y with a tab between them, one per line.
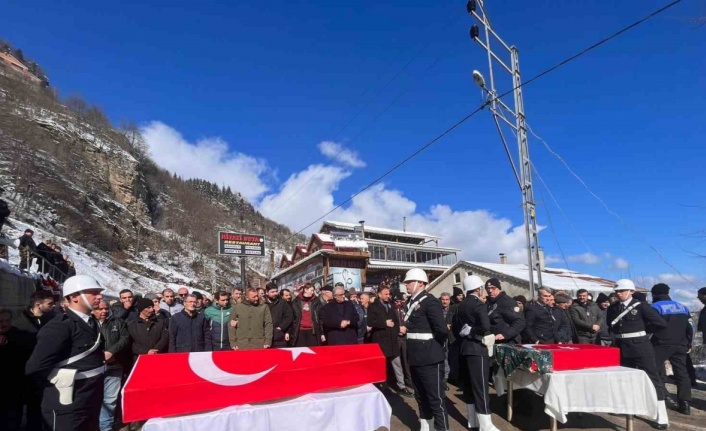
541	324
189	333
65	336
380	333
332	314
315	310
116	340
701	324
147	335
28	241
28	326
282	318
641	318
474	313
506	318
426	317
126	315
566	330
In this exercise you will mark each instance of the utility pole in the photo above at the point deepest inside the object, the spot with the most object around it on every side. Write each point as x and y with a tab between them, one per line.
498	108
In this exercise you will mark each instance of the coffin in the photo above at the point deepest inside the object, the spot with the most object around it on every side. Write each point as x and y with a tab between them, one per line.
184	383
547	358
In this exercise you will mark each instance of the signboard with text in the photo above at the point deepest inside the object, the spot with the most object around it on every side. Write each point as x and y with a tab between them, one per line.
241	244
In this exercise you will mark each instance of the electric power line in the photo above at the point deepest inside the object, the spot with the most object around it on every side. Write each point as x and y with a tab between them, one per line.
483	105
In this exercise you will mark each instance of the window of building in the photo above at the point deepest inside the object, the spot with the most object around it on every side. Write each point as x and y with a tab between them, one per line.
377	252
457	278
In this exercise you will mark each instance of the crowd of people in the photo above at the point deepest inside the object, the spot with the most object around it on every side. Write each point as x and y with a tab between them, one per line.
426	341
48	256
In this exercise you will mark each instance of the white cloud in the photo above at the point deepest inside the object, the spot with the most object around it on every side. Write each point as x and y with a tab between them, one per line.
338	153
683	287
209	159
620	263
585	258
551	259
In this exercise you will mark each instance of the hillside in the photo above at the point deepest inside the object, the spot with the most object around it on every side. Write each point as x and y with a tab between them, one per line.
71	175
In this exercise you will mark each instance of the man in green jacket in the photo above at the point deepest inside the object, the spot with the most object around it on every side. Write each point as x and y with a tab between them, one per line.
250	323
217	317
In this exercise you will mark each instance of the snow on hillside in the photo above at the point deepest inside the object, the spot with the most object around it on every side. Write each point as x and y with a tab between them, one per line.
111	276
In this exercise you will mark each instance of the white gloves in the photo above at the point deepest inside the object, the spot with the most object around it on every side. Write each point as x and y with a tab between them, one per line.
465	331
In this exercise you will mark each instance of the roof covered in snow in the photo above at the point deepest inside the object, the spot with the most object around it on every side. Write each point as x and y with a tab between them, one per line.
378	230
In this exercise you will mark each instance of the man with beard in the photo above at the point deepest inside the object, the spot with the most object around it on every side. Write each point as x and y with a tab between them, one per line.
251	323
282	316
506	322
541	323
169	302
148	334
586	318
69	361
217	318
325	296
305	333
340	320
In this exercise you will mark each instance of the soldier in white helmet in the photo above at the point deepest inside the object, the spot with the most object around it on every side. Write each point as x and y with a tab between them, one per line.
426	335
629	321
69	363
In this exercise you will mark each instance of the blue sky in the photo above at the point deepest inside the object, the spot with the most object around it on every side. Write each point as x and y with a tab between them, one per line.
256	93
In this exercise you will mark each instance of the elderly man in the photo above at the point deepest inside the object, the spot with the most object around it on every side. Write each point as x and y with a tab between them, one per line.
250	323
149	335
340	320
188	331
116	344
603	338
181	294
567	330
169	302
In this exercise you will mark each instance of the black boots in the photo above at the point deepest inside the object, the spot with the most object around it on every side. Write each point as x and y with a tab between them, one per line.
684	408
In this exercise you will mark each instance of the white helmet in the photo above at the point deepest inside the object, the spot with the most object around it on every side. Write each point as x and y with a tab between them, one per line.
416	274
79	283
472	282
403	288
624	284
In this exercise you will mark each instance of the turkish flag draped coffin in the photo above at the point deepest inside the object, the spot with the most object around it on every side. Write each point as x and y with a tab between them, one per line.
183	383
579	356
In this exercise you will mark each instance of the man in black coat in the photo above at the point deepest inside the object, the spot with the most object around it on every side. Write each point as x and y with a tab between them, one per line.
282	316
471	325
542	326
125	310
69	362
426	336
566	329
148	334
384	330
630	321
27	249
13	356
188	331
340	320
28	323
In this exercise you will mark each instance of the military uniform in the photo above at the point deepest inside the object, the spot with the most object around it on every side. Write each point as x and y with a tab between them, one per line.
474	313
672	343
630	334
426	336
66	338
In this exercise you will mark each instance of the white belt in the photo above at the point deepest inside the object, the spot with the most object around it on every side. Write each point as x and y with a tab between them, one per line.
632	335
90	373
419	336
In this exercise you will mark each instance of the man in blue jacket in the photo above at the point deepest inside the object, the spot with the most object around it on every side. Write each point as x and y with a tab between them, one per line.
188	331
217	321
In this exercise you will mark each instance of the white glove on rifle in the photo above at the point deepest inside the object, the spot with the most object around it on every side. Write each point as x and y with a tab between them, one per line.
465	331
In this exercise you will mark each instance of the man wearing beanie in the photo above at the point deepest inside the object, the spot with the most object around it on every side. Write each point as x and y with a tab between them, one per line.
148	334
672	344
604	338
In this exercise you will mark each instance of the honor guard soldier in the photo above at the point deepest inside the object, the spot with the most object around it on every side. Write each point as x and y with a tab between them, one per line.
68	362
472	326
426	335
507	321
672	343
629	321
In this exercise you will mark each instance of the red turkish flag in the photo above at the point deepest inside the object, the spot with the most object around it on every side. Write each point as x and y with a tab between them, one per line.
183	383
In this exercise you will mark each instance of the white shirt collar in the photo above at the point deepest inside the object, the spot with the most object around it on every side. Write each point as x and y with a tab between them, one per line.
626	302
83	316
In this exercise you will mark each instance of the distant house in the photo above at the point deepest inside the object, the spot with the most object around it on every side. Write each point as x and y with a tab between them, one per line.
16	68
514	278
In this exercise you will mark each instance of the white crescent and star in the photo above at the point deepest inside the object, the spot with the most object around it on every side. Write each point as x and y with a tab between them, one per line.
201	363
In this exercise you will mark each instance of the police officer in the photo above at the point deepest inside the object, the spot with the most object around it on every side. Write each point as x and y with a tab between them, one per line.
628	320
68	362
471	323
672	344
507	322
426	335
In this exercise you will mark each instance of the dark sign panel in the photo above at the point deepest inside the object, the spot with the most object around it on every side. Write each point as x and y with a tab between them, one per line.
241	244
